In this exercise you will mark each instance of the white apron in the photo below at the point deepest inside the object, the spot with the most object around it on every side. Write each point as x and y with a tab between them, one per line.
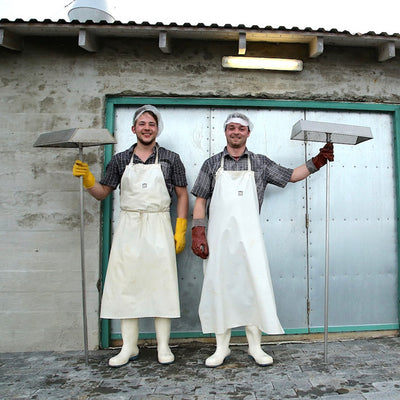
237	288
141	278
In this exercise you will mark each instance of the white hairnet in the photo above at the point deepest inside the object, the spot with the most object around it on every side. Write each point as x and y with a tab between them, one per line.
238	118
153	110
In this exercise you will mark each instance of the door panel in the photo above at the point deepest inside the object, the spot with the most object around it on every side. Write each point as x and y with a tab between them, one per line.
183	130
362	230
283	211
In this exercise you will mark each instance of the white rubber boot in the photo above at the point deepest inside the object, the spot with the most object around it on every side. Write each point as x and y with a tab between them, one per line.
163	330
255	351
129	350
222	352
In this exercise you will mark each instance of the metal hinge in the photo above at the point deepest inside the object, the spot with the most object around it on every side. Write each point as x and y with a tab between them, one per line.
307	221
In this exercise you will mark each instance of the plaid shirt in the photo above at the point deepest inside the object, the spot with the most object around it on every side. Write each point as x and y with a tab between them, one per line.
171	166
265	171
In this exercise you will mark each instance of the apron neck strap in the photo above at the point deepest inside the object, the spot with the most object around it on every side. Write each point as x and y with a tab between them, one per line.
156	161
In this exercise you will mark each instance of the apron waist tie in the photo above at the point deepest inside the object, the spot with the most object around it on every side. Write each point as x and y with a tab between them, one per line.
145	211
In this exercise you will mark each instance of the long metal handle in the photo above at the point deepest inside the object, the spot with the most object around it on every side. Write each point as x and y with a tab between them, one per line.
326	264
85	330
327	218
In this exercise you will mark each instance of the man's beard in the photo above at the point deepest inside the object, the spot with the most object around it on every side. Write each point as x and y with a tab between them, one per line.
146	143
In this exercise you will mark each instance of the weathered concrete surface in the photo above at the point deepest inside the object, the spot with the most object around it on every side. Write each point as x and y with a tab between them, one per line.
53	84
356	370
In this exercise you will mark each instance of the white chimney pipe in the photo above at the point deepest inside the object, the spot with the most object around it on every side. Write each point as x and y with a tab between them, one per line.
93	10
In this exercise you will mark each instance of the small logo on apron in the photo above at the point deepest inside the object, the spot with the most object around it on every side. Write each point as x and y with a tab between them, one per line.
240	193
144	185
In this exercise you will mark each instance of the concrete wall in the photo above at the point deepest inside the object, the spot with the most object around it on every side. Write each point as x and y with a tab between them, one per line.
53	85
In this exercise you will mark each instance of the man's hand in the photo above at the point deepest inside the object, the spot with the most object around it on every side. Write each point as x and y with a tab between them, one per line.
199	242
180	232
325	154
82	169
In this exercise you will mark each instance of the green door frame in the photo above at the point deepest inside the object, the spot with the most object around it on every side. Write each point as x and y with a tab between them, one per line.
113	102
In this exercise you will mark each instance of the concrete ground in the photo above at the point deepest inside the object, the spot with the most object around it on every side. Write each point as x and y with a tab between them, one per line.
356	370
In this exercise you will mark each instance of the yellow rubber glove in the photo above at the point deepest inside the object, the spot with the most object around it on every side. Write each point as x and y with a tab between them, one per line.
82	169
180	232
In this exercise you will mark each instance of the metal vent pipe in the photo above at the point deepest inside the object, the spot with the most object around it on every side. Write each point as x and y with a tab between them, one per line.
91	10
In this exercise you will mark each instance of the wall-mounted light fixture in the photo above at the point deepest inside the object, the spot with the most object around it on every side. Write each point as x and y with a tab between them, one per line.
280	64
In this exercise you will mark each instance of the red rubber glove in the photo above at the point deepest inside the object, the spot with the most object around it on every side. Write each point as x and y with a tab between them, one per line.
325	154
199	242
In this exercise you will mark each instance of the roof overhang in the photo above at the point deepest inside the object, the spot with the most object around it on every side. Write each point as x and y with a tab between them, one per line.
90	34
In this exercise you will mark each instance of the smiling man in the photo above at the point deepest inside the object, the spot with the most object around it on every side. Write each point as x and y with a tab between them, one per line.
141	278
237	288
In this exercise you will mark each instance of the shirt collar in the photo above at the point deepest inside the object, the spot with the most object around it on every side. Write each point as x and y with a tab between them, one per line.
226	154
133	148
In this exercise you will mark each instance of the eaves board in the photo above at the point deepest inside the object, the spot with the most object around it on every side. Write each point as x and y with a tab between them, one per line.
196	32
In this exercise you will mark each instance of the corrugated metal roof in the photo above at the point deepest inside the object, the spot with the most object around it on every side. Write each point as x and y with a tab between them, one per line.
199	25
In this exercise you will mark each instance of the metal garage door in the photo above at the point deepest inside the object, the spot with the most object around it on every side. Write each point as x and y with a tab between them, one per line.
363	251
